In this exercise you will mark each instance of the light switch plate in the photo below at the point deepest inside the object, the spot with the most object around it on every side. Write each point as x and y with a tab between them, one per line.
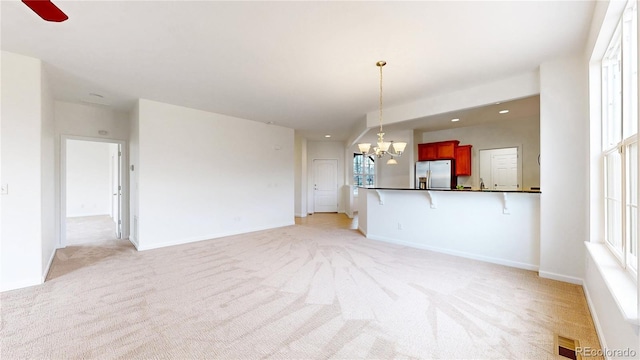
4	189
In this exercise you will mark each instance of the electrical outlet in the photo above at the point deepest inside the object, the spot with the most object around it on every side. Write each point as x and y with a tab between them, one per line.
4	189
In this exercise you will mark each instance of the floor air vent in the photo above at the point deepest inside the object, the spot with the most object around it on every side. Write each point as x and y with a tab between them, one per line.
566	347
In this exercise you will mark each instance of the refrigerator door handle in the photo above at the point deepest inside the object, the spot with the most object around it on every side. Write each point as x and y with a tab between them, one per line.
428	179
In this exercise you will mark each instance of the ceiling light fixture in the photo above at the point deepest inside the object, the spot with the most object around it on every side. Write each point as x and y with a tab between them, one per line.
327	136
454	120
503	111
384	147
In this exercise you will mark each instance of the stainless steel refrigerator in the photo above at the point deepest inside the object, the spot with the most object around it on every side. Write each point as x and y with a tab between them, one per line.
437	174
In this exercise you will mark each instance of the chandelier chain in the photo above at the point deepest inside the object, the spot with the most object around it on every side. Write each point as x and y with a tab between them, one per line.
380	98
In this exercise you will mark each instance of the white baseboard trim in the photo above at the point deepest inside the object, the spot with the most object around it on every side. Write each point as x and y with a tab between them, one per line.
364	233
134	242
594	316
300	215
45	271
463	254
560	277
209	237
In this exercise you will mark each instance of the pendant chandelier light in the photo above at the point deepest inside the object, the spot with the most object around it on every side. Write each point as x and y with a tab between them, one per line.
393	149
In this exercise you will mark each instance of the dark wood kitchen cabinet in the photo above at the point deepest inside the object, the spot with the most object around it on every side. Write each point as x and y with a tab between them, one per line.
463	160
427	152
442	150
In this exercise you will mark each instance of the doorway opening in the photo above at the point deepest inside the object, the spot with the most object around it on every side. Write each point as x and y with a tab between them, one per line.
93	207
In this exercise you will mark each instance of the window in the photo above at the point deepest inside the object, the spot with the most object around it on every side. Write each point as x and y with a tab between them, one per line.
619	139
631	206
613	201
612	93
364	171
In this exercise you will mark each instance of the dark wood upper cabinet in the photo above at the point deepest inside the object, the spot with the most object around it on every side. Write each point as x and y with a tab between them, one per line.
442	150
427	152
463	160
448	150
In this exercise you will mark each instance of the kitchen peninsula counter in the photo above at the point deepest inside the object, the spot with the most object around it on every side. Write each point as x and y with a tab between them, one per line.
496	226
457	190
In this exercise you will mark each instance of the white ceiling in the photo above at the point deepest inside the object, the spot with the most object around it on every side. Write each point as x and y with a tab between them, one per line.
305	65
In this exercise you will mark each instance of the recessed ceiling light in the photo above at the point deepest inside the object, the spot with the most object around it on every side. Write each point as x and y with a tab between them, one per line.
454	120
327	136
503	111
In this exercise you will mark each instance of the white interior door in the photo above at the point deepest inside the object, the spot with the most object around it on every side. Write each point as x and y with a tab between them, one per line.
504	172
325	188
116	188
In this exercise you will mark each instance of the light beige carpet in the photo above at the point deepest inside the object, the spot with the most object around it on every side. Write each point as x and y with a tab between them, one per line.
311	291
90	229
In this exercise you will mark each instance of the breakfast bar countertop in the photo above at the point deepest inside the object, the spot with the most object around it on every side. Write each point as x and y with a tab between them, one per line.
456	190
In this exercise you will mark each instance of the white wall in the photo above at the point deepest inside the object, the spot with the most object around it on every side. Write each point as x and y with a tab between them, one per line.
88	120
300	153
326	150
21	250
134	161
88	178
523	133
563	173
49	182
203	175
114	180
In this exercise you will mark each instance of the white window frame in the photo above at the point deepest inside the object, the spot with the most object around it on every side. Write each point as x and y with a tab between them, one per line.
620	224
364	172
630	260
616	136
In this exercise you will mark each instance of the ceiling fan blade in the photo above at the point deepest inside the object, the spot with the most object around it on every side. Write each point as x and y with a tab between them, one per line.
46	10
